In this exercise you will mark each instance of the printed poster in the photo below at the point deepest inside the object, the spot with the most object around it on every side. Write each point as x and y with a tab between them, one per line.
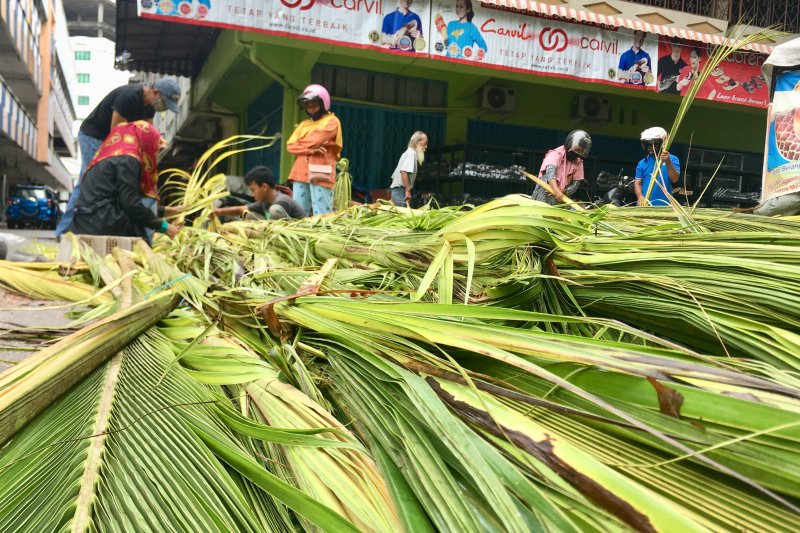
457	30
468	32
783	141
392	25
737	80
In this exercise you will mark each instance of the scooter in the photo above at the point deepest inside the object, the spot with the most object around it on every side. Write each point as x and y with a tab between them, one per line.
621	191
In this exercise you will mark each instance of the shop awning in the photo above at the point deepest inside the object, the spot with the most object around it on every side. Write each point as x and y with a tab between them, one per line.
161	47
589	17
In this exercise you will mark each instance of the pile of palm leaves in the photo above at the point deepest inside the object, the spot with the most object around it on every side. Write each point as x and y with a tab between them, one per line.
512	367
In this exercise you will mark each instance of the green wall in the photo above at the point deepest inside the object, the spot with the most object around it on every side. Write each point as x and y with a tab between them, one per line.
243	64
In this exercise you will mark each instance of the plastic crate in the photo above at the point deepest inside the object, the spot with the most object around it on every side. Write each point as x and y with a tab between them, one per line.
101	244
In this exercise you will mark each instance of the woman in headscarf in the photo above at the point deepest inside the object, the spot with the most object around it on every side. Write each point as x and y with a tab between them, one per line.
120	183
317	144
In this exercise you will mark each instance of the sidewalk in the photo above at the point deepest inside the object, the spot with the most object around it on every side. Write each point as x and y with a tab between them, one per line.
18	312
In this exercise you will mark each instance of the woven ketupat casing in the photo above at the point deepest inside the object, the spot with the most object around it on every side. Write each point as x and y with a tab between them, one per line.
786	134
101	244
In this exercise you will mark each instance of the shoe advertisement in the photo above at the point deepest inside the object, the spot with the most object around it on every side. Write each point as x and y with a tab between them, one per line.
738	80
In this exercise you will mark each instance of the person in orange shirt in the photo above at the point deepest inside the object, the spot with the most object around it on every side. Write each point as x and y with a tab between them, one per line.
316	144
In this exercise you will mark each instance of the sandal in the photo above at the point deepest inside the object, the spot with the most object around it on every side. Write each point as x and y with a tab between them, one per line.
717	72
723	79
754	81
731	84
748	87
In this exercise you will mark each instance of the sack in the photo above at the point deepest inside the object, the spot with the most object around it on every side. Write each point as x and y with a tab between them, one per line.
320	174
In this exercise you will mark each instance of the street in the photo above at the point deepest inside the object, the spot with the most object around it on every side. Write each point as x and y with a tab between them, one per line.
17	311
45	236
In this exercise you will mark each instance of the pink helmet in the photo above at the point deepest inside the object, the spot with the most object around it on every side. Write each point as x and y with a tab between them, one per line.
316	92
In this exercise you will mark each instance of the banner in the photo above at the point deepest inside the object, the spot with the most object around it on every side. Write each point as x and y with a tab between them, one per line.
348	22
456	30
468	32
783	142
737	80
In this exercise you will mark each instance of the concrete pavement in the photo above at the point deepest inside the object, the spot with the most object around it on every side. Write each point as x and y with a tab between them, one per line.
20	315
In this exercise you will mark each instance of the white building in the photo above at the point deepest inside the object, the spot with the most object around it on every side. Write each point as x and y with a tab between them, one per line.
95	74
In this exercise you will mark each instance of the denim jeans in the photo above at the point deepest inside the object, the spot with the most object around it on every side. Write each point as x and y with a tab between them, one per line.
152	205
88	148
398	196
313	196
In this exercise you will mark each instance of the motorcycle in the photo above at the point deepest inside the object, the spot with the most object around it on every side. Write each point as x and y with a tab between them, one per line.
619	190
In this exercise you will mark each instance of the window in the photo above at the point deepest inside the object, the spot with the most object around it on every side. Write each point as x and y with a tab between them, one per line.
23	192
83	78
355	84
83	55
83	100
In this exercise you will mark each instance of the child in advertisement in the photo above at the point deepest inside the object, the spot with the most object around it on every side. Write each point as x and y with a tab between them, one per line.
691	73
670	68
402	29
462	38
634	64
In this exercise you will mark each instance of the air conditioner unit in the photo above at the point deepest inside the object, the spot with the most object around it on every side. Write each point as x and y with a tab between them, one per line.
593	108
498	99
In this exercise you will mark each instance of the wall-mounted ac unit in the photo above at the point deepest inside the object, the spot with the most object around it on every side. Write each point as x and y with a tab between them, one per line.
593	108
498	99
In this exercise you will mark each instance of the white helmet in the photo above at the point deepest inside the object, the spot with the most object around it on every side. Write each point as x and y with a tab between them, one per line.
653	139
651	134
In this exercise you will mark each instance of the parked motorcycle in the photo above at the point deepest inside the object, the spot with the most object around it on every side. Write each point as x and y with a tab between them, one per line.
619	189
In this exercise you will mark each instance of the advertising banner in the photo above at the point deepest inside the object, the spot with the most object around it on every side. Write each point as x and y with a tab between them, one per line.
737	80
469	32
458	30
783	141
466	31
348	22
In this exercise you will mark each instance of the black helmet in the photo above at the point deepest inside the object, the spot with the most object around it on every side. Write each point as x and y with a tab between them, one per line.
579	143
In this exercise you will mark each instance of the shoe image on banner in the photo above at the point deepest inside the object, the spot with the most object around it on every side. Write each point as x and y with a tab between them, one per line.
732	84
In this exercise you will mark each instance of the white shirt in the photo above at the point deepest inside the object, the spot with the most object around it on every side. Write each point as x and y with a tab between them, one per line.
407	163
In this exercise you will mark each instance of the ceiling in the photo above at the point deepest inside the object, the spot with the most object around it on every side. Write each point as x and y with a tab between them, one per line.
161	47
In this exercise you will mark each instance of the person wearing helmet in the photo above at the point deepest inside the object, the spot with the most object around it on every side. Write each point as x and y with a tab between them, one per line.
562	168
661	191
316	144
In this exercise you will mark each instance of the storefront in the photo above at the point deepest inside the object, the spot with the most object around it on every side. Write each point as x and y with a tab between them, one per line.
492	87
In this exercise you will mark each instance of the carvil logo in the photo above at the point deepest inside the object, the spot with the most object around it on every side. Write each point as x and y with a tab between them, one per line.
368	6
521	31
293	4
553	39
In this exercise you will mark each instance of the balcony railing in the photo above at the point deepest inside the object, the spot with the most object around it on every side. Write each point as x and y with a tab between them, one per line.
15	122
59	172
23	29
61	106
718	9
785	14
